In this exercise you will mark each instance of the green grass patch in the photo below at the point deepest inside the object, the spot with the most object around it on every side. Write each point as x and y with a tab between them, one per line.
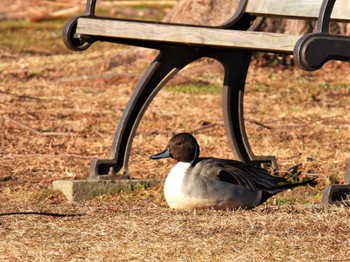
195	89
23	35
336	87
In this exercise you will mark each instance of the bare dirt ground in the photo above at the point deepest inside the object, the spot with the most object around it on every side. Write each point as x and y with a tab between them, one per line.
59	109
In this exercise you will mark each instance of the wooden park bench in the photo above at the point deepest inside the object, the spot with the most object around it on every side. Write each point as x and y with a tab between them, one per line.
232	44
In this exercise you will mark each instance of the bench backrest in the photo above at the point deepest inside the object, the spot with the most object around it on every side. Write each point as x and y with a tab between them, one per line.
297	9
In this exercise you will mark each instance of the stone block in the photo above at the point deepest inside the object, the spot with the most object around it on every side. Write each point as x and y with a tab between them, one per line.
78	190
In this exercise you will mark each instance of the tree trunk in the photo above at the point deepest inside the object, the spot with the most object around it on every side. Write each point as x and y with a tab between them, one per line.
202	12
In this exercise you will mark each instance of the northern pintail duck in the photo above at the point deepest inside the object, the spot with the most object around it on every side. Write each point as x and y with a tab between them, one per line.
196	182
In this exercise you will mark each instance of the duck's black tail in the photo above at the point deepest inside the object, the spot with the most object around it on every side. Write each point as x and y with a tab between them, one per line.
267	193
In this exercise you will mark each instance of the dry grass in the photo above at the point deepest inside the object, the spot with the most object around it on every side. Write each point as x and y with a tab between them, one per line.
59	109
144	230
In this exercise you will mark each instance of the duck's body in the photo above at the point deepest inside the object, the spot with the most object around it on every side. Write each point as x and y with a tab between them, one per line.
189	187
195	182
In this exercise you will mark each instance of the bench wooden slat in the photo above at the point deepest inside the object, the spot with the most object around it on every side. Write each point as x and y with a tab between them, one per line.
186	35
297	8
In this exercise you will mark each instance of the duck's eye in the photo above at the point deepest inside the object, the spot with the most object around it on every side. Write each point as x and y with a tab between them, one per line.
179	144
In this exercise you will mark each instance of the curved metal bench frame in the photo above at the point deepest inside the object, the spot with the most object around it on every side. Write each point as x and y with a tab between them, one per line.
173	57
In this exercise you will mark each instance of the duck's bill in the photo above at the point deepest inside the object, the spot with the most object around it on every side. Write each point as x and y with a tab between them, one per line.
163	154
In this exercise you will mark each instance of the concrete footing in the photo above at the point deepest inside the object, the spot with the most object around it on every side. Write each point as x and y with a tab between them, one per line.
78	190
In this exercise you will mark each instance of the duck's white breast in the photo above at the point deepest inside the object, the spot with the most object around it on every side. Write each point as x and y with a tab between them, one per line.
174	192
173	187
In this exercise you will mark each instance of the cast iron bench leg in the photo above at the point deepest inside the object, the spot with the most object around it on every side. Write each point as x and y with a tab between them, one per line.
166	64
236	65
338	194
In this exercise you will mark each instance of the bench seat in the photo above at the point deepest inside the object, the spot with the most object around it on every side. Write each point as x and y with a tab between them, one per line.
186	35
156	33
